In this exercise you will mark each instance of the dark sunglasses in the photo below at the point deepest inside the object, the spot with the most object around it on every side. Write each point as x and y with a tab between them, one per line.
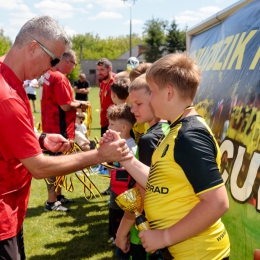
75	64
54	59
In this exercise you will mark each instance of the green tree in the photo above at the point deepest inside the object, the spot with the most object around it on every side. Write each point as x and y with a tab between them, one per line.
5	43
154	39
175	39
91	46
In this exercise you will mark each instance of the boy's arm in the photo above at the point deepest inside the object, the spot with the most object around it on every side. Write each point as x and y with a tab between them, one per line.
122	235
137	170
213	204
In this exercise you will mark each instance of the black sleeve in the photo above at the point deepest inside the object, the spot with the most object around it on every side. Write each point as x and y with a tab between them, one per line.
195	151
147	144
87	84
75	83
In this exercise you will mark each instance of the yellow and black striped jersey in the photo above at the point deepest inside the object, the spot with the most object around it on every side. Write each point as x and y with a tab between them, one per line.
184	165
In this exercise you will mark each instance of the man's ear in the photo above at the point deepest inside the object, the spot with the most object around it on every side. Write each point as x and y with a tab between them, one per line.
32	48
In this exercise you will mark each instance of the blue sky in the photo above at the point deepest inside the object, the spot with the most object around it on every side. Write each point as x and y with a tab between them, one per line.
107	17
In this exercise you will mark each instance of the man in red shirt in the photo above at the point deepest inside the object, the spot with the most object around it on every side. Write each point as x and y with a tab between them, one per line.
105	74
39	45
58	116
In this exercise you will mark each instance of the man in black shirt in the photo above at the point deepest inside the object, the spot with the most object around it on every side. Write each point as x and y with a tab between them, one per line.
81	88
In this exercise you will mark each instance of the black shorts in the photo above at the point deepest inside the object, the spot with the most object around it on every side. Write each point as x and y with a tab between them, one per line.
13	248
103	130
31	96
137	252
115	216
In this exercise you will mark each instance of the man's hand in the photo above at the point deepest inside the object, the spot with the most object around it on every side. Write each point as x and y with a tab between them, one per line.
57	143
114	151
85	146
85	105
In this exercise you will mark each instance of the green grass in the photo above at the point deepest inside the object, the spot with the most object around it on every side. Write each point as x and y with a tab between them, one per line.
79	234
83	233
242	223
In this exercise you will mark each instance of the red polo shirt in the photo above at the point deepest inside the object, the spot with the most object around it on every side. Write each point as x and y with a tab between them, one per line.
17	141
57	91
105	101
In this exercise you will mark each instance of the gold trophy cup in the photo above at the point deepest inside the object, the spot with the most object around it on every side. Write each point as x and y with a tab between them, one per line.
131	201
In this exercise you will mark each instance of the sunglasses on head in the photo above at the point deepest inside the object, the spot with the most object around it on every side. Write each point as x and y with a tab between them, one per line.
54	59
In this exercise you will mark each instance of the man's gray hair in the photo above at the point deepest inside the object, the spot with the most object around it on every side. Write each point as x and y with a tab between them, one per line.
41	28
68	55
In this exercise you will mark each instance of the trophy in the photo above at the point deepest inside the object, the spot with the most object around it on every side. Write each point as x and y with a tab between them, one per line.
131	201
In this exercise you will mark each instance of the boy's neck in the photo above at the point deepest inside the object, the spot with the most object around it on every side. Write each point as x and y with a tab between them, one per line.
155	121
125	136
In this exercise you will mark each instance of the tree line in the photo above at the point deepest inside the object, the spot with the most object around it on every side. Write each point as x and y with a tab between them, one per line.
160	37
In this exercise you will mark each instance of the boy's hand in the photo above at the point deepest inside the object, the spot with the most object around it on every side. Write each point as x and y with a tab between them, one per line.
153	240
114	151
123	242
109	136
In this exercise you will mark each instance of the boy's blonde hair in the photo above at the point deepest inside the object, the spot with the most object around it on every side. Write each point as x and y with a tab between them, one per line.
122	74
139	83
177	70
121	111
138	71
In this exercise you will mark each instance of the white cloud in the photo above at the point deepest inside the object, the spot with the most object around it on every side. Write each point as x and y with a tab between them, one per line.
55	9
81	10
13	5
69	31
189	16
108	4
106	15
19	19
70	1
89	6
135	21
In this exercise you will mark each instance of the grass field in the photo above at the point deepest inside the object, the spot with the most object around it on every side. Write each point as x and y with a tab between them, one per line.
83	233
79	234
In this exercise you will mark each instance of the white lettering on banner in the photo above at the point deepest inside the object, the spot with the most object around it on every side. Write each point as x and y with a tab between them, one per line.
228	146
241	194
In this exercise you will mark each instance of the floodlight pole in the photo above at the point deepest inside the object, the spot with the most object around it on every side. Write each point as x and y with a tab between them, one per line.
130	36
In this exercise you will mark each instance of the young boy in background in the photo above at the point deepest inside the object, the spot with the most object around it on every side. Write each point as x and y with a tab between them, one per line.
119	90
139	129
120	120
139	94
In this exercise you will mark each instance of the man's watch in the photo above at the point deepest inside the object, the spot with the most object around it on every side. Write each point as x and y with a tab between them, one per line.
41	140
